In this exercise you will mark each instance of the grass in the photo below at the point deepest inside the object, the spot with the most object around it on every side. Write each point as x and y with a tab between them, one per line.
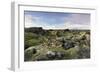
51	40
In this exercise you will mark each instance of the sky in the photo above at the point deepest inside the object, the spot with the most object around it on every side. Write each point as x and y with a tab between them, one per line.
49	20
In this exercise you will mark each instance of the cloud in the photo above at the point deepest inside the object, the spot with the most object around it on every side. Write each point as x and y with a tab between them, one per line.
81	19
28	21
67	25
31	21
76	26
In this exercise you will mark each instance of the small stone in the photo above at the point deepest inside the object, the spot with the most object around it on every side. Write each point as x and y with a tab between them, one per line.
50	54
60	55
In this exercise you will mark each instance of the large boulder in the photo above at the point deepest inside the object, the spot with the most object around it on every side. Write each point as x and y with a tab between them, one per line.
28	53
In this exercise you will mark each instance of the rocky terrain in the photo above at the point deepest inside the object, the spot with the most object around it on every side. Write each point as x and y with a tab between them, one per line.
41	44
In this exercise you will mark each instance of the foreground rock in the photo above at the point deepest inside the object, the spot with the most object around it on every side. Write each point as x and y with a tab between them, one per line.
54	55
51	55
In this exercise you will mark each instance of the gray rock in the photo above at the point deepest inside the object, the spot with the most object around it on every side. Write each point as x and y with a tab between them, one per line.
67	45
59	55
50	54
